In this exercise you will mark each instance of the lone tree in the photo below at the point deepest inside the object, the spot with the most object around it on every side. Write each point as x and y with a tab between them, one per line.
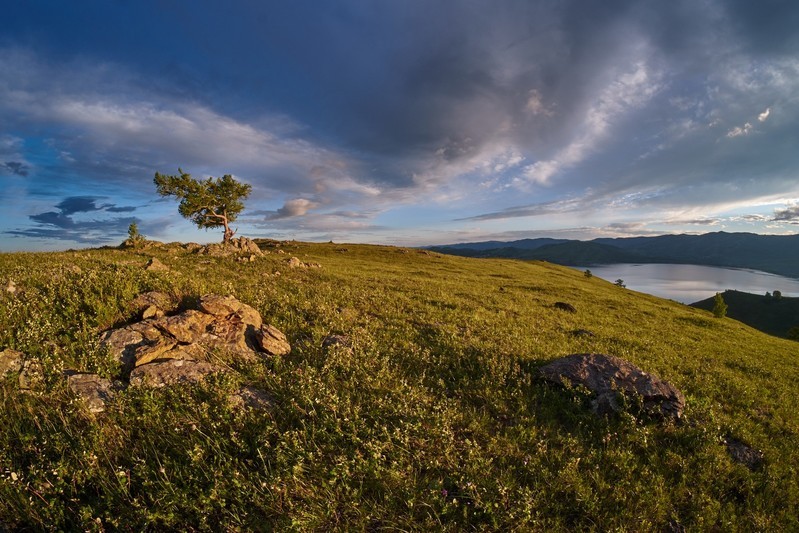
719	306
212	203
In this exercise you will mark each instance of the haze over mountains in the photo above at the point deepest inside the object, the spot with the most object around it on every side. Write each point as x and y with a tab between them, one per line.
778	254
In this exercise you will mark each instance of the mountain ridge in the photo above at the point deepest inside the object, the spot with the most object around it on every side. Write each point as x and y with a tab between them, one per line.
776	254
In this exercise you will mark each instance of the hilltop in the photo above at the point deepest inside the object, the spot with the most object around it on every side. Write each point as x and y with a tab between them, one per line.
778	254
429	414
773	315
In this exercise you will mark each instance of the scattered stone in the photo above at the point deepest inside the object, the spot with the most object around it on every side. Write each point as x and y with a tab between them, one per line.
271	340
583	333
154	265
334	341
743	453
11	288
251	398
606	376
171	372
75	269
192	247
31	376
563	306
313	265
281	252
10	361
95	391
295	263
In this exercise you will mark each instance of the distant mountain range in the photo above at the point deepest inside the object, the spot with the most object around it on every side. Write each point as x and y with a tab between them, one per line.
778	254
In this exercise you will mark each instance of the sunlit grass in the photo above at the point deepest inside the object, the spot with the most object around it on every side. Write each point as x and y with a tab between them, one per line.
433	420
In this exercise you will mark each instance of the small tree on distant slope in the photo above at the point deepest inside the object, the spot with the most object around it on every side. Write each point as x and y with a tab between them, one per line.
210	203
719	306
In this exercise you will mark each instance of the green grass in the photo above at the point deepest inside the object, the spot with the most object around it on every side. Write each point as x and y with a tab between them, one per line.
434	420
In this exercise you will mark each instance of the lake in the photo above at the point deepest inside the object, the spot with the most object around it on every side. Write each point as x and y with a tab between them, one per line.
691	283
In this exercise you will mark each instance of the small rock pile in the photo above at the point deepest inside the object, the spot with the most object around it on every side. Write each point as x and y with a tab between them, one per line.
167	348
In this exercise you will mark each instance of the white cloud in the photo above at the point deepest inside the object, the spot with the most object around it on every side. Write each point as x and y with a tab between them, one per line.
629	91
737	131
764	115
535	104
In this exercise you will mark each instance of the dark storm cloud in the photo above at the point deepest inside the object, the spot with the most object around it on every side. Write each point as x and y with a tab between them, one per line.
788	214
15	167
62	225
77	204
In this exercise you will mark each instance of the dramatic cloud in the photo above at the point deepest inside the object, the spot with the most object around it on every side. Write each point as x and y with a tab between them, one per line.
425	118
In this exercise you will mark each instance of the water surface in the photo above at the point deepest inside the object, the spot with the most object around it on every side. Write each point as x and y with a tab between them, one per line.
691	283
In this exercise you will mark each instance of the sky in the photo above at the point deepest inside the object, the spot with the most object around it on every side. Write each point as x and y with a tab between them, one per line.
406	122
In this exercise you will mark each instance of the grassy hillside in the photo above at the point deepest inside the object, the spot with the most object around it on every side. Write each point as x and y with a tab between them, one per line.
435	420
774	316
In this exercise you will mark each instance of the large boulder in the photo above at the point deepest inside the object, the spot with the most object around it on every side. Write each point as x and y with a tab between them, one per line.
608	376
239	246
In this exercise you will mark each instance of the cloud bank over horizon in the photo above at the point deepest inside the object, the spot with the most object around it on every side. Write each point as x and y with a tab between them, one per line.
408	123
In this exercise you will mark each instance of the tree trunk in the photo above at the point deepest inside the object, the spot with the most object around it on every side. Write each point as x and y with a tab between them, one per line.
228	232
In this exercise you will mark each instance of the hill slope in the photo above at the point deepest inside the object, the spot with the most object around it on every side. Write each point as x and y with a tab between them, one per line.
774	316
433	420
778	254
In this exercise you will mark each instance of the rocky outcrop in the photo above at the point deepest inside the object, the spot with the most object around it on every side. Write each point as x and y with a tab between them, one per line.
222	324
240	246
609	376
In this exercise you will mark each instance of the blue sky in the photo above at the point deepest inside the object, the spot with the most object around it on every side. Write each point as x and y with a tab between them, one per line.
409	122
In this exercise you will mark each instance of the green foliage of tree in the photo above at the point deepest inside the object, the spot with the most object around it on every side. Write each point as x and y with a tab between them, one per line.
211	203
719	306
777	294
588	273
793	333
620	283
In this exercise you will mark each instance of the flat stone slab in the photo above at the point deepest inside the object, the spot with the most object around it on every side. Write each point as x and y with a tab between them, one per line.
94	390
171	372
607	376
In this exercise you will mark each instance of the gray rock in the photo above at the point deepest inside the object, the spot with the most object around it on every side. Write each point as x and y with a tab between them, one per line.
171	372
10	361
608	376
95	391
743	453
563	306
272	341
31	377
336	341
